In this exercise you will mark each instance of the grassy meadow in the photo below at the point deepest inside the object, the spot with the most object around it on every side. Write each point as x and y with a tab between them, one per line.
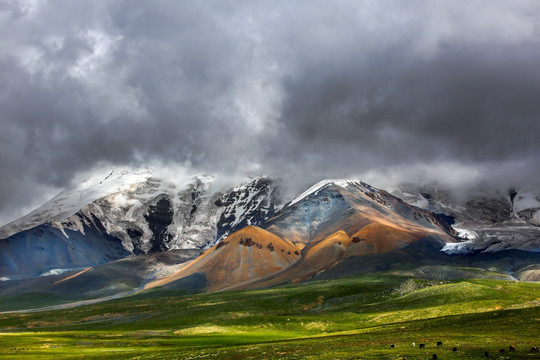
353	318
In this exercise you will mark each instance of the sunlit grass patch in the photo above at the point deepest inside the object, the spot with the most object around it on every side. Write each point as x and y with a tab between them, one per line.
207	329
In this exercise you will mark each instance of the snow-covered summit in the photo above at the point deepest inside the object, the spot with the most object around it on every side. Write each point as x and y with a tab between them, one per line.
344	183
67	203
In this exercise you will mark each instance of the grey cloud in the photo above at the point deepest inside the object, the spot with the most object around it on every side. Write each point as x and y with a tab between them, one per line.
300	90
459	104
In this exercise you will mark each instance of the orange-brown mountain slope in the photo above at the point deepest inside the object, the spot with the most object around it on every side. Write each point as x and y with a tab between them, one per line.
244	256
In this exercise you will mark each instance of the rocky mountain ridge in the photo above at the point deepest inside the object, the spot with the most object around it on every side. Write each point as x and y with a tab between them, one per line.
139	212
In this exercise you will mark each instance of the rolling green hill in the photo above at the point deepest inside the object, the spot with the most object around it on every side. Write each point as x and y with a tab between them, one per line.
351	318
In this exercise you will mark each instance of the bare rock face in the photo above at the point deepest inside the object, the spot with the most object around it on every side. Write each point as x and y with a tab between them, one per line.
159	217
493	210
250	204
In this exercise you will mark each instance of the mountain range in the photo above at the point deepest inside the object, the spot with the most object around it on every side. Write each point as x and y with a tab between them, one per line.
489	221
131	231
129	213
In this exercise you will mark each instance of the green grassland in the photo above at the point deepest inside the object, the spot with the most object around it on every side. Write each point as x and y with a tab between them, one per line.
352	318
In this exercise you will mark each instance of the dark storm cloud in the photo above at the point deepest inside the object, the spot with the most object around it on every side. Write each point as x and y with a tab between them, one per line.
457	106
302	90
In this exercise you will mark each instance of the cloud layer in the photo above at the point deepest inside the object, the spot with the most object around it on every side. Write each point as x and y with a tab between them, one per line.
414	91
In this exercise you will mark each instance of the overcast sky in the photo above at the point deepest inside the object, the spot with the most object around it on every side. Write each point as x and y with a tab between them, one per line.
384	90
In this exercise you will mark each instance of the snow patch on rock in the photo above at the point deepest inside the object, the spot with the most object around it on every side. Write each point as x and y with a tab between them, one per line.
465	233
460	248
526	200
56	272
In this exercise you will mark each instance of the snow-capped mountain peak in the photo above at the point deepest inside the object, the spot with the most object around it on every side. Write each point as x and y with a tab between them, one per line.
123	213
68	203
344	183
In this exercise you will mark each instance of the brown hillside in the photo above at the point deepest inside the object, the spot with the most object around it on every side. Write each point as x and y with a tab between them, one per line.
375	238
379	238
246	255
319	258
328	251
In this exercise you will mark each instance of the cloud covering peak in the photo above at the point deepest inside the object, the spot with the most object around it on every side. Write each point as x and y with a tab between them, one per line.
304	90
